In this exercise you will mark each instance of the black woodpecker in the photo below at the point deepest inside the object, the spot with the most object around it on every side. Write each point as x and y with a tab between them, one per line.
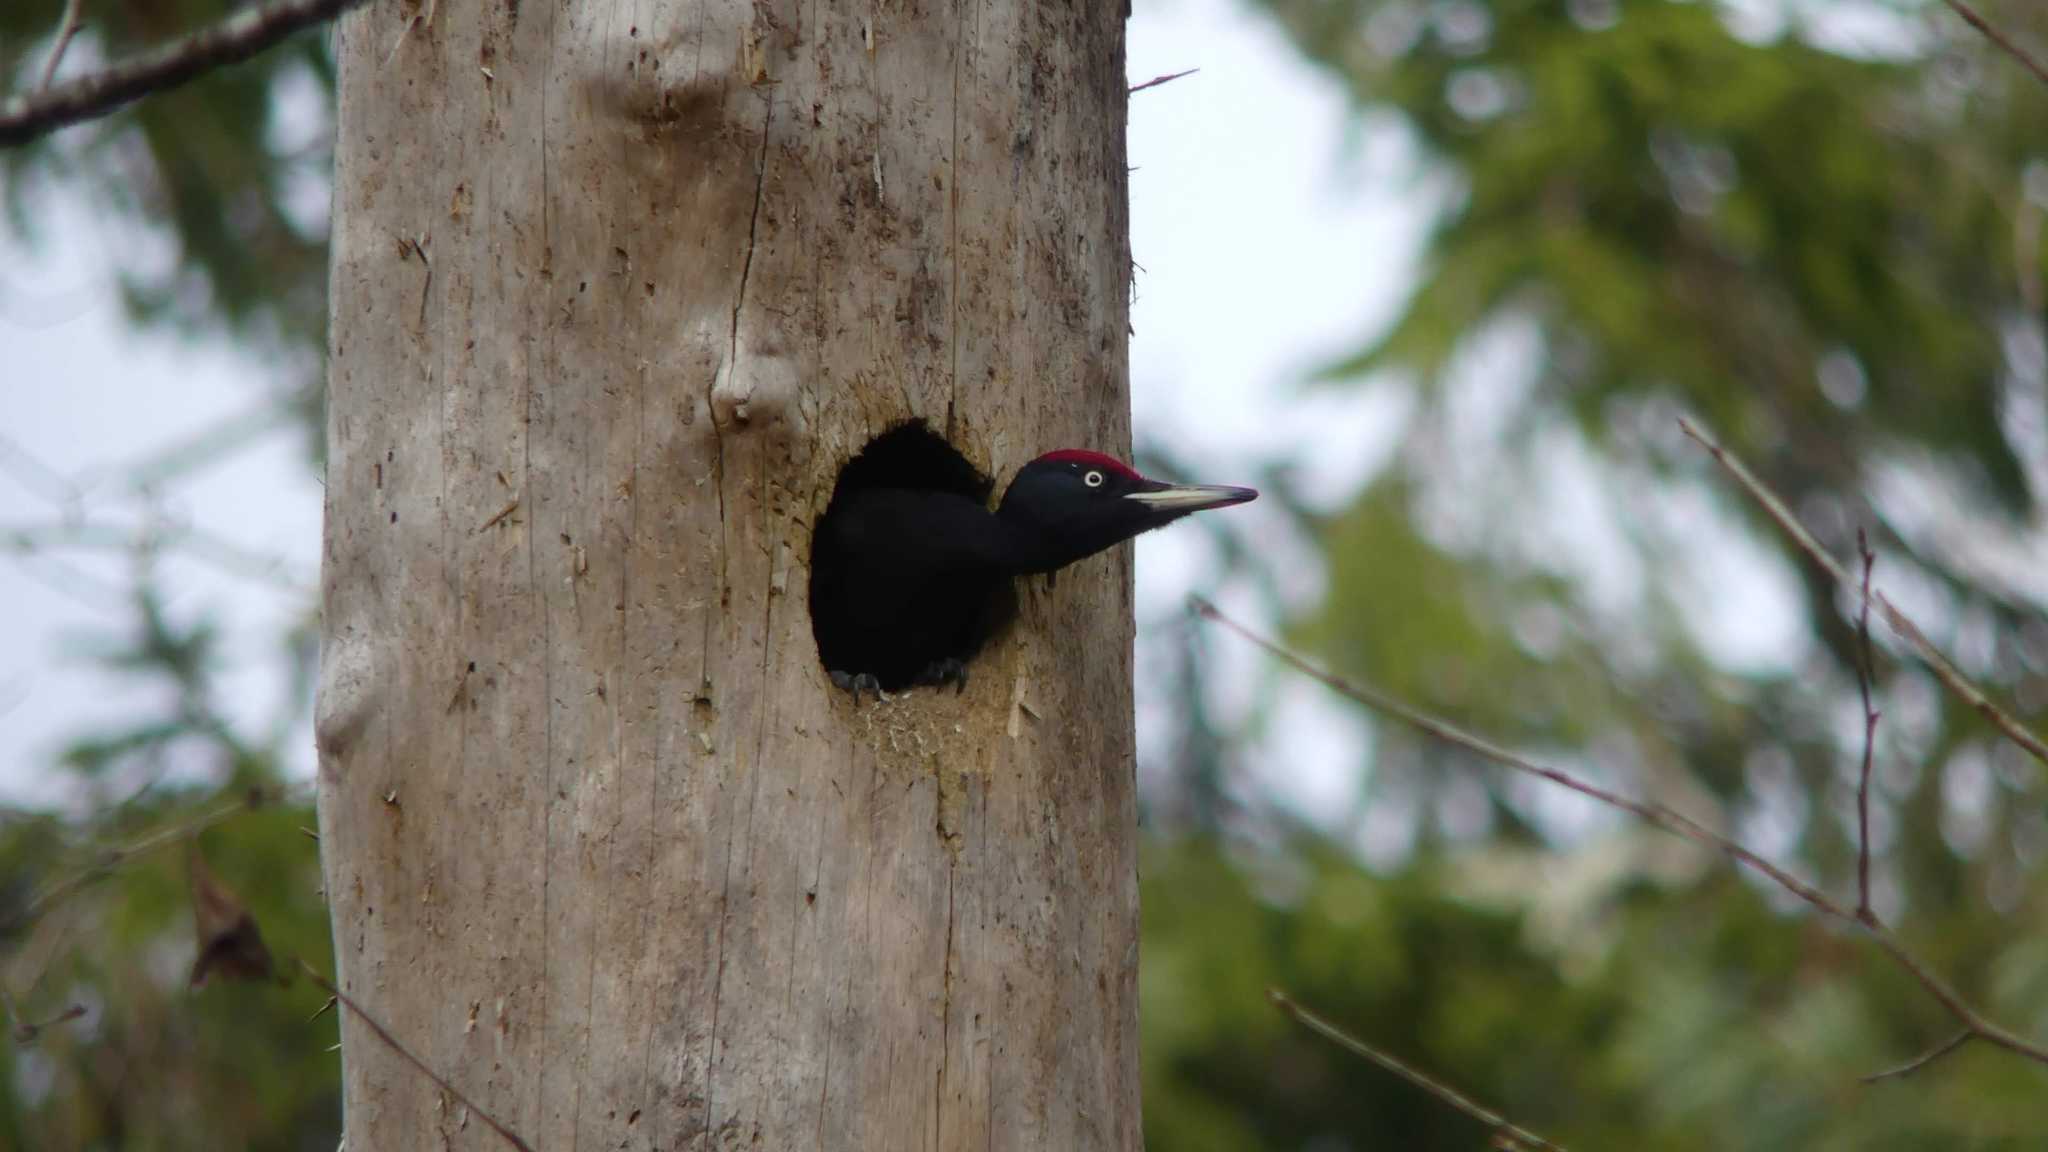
907	583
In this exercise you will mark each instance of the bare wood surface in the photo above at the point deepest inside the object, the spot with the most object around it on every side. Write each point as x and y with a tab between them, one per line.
616	290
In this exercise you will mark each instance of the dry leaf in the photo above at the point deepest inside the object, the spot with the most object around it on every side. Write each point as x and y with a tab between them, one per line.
230	945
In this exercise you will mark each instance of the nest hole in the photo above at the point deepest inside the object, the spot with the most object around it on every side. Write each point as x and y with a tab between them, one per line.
869	619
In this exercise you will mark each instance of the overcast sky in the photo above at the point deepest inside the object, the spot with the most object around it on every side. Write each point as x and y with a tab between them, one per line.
1271	234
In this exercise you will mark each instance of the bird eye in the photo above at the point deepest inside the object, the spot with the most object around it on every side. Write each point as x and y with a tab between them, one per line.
1092	479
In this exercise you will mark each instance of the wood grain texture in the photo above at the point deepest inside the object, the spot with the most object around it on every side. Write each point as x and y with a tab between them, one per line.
617	287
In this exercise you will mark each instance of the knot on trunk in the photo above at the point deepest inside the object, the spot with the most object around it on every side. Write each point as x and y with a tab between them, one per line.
758	391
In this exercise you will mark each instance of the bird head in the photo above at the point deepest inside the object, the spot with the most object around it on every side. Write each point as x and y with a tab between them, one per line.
1071	504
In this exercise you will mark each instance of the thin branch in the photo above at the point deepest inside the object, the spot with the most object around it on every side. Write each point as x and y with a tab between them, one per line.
2026	249
13	1010
1866	671
2005	43
74	583
1650	813
1906	630
39	950
245	34
32	471
391	1042
25	1033
1156	81
1924	1059
113	859
208	447
1503	1129
33	538
67	28
1659	816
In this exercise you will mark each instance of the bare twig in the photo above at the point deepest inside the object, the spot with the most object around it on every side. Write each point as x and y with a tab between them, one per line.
1156	81
32	471
1507	1135
2026	252
31	962
1660	816
1657	814
1906	630
233	40
391	1042
2004	42
67	27
25	1033
208	447
76	584
1866	671
498	517
113	859
1924	1059
35	538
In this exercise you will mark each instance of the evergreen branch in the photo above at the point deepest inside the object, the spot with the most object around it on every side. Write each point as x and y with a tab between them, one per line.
245	34
1506	1134
1906	630
1660	816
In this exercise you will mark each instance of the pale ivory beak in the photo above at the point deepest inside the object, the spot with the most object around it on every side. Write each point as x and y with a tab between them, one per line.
1193	497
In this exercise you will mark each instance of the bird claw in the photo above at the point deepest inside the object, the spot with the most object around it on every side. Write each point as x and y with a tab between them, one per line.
940	673
857	683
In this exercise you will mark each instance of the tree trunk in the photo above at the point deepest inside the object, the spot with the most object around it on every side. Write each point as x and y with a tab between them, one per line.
616	290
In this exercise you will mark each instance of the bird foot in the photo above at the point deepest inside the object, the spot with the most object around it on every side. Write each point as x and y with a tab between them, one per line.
940	673
857	683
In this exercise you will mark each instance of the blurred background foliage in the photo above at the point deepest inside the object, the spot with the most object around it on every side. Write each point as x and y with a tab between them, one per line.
1814	223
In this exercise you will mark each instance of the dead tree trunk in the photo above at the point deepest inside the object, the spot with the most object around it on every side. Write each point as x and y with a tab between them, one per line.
617	288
